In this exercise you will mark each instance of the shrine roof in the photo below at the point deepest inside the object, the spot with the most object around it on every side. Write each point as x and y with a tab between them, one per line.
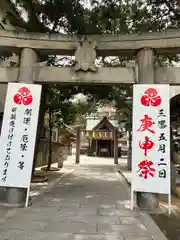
104	124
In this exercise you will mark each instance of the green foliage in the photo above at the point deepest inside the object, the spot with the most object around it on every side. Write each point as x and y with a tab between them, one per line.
107	16
123	103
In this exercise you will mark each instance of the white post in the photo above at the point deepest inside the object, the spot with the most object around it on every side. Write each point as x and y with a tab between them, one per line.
132	200
169	204
27	197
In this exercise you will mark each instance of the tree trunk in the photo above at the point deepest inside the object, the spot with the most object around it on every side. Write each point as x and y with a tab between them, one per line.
40	127
130	146
50	141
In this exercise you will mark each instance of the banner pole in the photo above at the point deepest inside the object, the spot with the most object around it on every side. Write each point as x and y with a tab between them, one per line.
132	203
169	203
27	197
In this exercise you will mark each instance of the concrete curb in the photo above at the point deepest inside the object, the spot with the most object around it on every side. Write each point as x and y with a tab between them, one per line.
149	223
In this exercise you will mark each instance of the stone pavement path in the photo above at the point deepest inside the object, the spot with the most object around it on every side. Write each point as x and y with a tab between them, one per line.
90	203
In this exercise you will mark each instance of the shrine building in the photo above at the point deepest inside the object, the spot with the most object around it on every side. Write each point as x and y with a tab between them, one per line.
101	131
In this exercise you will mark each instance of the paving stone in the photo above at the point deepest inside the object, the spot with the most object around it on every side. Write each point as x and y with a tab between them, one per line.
22	235
122	229
105	201
41	210
3	211
117	212
95	219
25	225
89	204
130	220
7	234
71	227
70	212
107	206
99	237
123	204
138	238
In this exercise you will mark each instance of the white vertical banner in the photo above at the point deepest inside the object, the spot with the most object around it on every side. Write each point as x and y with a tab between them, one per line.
18	134
151	139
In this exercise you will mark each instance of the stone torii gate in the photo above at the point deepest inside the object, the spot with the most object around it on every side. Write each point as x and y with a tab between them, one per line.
24	65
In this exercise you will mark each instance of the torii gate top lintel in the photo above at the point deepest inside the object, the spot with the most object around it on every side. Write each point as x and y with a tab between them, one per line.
85	49
106	44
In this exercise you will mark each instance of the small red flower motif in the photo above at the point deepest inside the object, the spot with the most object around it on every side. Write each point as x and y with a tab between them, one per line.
23	96
151	98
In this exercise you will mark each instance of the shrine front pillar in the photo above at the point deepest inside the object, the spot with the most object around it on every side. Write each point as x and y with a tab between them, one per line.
78	144
115	136
17	196
146	201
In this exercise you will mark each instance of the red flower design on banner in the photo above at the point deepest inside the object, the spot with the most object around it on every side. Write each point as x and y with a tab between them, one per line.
151	98
23	96
145	169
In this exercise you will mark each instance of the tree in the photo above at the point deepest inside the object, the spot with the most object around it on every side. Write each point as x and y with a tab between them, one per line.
114	17
61	110
55	106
